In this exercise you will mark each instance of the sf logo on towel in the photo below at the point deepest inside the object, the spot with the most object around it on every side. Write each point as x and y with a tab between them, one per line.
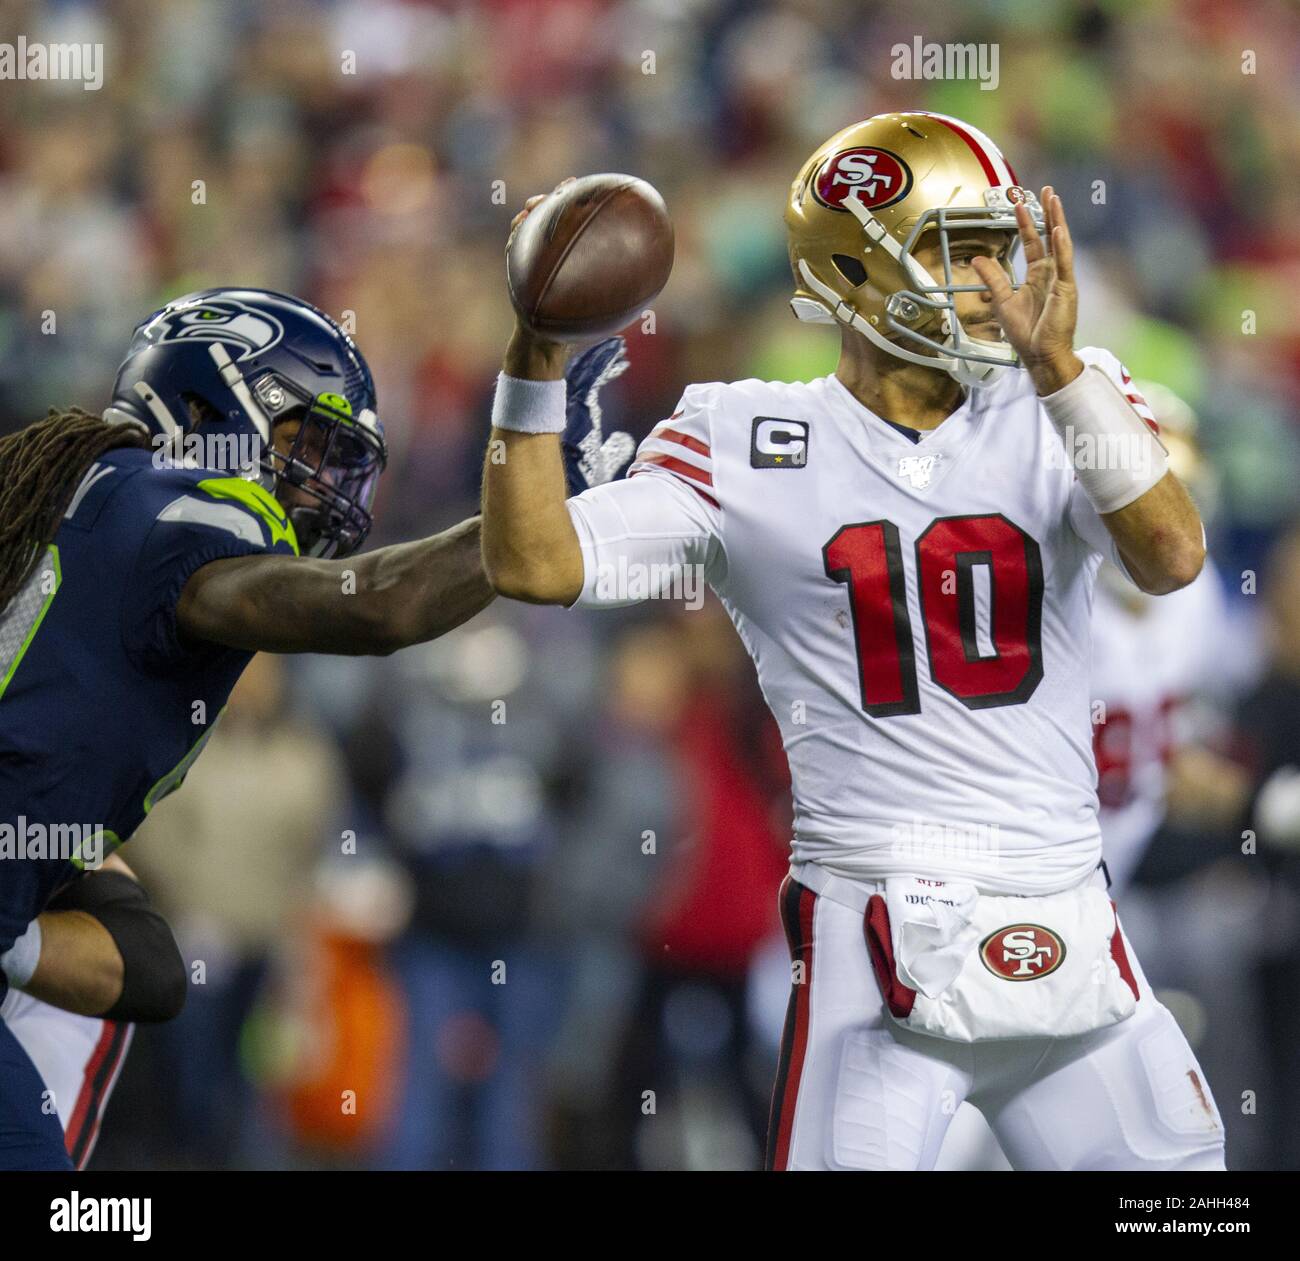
1022	952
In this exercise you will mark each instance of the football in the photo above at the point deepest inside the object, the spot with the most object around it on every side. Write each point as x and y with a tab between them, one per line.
589	258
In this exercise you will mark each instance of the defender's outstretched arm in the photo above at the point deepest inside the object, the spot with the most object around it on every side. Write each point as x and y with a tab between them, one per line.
368	605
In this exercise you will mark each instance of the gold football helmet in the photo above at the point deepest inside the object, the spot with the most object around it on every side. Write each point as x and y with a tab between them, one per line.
857	212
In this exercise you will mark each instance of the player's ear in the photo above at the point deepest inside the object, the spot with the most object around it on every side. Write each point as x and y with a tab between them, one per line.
200	411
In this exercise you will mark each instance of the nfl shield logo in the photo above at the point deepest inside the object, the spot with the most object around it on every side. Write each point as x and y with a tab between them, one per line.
918	469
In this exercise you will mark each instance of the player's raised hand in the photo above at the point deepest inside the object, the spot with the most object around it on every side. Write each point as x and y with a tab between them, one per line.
1039	318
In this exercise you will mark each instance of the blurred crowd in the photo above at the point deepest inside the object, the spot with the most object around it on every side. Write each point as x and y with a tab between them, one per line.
511	896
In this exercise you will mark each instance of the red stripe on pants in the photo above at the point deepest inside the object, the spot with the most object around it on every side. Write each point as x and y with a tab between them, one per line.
97	1080
797	917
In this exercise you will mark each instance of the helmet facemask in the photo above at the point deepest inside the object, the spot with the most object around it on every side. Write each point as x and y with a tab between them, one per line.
929	302
938	295
328	474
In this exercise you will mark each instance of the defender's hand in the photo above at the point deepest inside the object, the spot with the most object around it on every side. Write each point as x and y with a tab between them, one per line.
1039	318
591	457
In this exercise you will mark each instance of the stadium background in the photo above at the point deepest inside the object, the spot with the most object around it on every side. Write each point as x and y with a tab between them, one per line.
519	844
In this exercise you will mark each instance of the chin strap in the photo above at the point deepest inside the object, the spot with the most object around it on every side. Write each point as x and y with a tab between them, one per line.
976	375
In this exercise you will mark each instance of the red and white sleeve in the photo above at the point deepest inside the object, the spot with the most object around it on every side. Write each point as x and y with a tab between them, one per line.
640	536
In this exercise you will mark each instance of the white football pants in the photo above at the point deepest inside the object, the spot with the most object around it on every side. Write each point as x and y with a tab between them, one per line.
79	1059
855	1090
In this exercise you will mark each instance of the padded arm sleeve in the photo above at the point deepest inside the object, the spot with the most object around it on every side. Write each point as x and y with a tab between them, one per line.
153	975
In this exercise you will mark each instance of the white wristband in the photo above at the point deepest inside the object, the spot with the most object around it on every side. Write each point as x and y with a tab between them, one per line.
20	960
1115	455
529	406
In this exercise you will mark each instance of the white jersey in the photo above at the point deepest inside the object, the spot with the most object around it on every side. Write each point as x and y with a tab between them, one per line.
919	614
1149	658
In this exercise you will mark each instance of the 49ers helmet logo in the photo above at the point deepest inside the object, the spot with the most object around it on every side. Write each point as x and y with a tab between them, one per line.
875	177
1022	952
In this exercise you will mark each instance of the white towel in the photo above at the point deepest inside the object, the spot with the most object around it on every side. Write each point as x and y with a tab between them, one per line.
932	930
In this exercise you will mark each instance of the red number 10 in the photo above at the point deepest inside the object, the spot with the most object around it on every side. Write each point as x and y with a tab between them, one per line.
868	559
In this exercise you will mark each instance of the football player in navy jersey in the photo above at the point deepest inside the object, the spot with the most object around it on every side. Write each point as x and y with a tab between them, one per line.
137	579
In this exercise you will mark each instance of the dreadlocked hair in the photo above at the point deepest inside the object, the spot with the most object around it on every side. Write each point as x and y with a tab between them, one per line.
40	469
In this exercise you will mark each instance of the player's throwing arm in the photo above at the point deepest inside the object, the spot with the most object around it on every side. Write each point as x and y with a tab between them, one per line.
582	262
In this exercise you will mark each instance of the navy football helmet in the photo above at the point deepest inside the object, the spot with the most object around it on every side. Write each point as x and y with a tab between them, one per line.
237	364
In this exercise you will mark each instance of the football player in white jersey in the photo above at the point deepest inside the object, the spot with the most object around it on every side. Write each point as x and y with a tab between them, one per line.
908	549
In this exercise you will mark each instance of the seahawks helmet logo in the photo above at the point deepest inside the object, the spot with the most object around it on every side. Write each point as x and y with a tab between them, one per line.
245	330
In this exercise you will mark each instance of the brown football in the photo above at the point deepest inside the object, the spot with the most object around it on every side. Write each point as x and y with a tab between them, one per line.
590	258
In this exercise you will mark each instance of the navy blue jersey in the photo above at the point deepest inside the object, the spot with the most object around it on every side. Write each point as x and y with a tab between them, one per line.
103	705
